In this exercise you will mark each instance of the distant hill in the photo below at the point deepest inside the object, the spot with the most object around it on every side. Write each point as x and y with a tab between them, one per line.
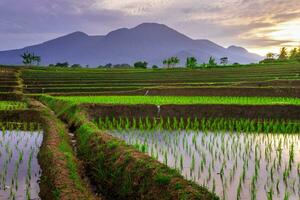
150	42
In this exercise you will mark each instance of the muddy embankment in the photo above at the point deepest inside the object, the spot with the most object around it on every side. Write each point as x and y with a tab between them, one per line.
62	173
118	170
283	112
220	91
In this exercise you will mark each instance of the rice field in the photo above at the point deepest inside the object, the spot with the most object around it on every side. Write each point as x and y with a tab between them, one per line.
203	124
19	168
12	105
181	100
234	157
232	165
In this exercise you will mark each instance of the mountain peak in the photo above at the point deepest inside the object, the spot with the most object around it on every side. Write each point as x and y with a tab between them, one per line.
151	25
77	34
237	49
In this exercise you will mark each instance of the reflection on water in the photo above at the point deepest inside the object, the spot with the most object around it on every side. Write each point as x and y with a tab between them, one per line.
234	166
19	168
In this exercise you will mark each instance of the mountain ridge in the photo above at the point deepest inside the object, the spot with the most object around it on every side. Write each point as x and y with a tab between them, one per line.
150	42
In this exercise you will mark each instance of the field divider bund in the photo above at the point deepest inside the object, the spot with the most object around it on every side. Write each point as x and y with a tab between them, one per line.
118	170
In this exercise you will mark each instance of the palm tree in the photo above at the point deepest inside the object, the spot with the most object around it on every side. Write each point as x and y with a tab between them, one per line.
283	54
175	60
191	62
38	60
27	58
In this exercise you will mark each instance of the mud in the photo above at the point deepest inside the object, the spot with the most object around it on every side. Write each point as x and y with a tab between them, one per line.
192	111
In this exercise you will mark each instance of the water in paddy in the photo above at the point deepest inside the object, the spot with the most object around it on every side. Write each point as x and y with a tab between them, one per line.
19	168
234	166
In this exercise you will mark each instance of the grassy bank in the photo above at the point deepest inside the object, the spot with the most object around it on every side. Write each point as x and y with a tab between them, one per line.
120	171
61	176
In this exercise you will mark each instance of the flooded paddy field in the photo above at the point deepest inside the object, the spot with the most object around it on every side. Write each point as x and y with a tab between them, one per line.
19	168
232	165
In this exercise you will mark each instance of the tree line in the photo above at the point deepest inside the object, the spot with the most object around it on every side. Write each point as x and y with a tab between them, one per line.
171	62
283	56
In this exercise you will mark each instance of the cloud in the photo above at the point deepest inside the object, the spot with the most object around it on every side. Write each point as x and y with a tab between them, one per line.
240	22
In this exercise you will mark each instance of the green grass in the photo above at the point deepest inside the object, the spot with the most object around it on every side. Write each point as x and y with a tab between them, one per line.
182	100
12	105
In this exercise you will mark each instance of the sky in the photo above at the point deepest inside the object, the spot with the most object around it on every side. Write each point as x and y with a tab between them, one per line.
261	26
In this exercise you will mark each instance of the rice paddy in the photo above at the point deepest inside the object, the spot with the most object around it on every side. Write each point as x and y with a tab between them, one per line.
19	168
232	165
195	124
182	100
12	105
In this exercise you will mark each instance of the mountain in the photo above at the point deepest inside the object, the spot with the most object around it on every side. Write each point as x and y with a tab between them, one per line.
149	42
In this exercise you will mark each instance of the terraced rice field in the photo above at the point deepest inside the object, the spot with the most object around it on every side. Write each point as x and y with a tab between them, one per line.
219	133
161	82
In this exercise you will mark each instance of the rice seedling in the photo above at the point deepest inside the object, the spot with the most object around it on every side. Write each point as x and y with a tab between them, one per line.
202	158
163	100
19	157
203	124
12	105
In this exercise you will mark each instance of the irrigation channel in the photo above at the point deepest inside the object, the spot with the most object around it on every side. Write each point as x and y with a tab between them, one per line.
233	165
19	168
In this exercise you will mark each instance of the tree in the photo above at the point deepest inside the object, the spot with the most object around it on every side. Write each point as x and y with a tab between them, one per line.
175	61
29	58
64	64
124	66
140	65
171	62
154	67
283	55
298	53
270	56
109	65
167	62
293	54
37	59
191	62
76	66
212	62
26	58
224	61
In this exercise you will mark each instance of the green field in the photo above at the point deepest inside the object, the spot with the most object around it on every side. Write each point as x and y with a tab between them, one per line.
62	81
181	100
12	105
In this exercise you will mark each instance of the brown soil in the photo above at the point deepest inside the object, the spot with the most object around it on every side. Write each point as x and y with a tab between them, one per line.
20	116
192	111
11	96
267	92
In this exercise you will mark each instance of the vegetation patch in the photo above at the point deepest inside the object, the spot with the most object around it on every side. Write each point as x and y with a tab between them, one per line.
202	124
61	177
12	105
181	100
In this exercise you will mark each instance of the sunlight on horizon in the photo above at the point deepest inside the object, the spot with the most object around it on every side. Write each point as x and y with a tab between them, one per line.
288	33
